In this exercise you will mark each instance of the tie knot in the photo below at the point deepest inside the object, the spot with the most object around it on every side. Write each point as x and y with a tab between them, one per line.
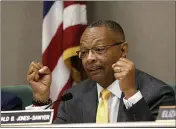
105	94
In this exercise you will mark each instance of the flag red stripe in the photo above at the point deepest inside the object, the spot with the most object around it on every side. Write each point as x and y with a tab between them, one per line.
68	3
72	36
55	49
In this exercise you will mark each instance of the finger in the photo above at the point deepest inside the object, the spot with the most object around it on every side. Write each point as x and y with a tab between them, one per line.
120	75
122	64
31	77
33	69
30	70
120	69
125	63
36	77
126	60
117	69
40	64
113	65
36	65
44	70
30	65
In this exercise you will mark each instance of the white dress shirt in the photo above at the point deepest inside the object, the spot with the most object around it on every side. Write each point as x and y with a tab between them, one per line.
31	107
114	100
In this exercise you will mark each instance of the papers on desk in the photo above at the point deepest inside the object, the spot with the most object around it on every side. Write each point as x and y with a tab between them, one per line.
27	117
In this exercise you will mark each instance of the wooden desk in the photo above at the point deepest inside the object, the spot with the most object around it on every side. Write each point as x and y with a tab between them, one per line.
119	124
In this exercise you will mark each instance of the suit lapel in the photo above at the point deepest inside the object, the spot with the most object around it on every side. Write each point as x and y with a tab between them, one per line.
90	101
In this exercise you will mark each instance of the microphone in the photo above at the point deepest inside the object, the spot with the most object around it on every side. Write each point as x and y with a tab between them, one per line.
65	97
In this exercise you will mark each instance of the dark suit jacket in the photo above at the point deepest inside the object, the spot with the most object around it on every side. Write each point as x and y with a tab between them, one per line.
10	102
82	108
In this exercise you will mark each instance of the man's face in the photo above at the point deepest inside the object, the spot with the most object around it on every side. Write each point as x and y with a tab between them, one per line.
99	66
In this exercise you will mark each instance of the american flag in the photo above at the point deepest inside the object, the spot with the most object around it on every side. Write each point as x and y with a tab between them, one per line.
63	24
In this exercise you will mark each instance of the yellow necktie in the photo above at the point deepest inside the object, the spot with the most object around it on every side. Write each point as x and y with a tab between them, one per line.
102	111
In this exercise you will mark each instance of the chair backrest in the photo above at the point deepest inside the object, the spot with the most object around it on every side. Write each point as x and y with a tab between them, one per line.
22	91
174	88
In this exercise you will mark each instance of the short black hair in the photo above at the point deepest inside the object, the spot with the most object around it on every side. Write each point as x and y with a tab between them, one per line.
112	25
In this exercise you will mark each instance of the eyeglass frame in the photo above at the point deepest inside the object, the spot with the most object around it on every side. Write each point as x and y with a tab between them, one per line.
106	48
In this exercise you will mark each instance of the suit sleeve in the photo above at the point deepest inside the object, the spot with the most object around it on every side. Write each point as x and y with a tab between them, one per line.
143	111
61	116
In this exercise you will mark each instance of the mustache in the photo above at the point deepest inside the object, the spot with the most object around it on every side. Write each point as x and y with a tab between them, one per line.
93	67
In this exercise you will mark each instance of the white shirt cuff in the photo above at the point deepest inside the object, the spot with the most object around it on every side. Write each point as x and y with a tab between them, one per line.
132	100
31	107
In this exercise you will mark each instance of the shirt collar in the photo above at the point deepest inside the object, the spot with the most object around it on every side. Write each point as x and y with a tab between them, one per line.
113	88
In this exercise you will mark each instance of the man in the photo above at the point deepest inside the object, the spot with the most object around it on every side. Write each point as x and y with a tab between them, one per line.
115	90
10	101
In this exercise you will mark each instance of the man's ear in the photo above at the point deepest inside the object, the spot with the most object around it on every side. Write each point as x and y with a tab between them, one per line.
124	49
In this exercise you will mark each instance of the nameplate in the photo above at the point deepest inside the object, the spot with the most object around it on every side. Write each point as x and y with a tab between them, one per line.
27	117
167	113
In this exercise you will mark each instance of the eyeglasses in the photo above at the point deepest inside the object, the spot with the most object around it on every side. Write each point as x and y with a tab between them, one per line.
96	50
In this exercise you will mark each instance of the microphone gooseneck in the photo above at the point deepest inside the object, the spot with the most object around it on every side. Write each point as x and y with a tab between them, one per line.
65	97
